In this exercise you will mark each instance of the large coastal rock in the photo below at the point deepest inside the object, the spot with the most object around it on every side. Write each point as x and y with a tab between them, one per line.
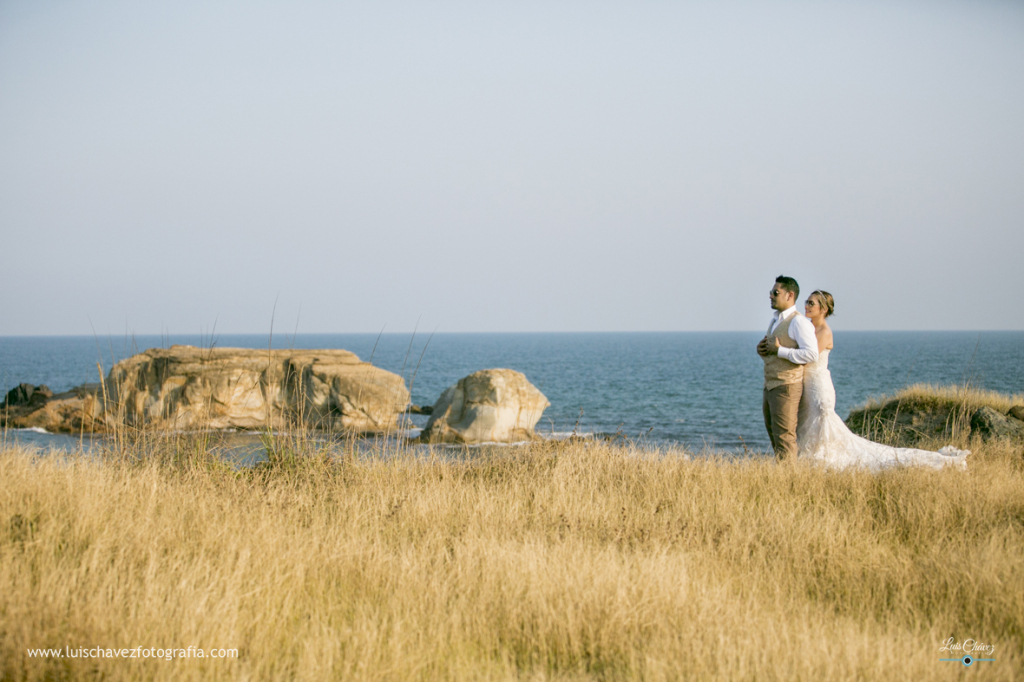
489	406
184	387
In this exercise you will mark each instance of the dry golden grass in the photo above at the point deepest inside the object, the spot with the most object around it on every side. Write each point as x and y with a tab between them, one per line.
924	395
554	561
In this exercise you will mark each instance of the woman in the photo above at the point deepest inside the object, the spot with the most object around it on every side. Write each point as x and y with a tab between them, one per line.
821	434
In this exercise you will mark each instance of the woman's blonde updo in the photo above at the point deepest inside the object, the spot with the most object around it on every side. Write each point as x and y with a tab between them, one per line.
825	300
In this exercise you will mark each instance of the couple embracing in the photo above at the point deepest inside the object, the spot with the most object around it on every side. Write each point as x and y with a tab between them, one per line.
799	397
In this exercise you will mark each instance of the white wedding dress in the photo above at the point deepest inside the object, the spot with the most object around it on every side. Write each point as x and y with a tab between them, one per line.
823	437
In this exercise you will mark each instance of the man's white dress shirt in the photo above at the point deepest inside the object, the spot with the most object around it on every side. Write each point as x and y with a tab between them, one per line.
800	330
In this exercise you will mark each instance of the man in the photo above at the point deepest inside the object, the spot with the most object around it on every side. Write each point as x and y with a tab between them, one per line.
788	346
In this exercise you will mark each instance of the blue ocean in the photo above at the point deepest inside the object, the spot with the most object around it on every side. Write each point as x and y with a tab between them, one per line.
693	389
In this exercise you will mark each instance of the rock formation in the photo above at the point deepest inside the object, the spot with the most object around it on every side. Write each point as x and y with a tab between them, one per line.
909	422
80	409
183	387
492	405
991	424
24	395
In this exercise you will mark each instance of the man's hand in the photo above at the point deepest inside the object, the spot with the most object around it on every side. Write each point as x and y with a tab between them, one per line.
764	349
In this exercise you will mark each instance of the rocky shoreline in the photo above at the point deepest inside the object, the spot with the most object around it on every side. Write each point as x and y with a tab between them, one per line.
190	388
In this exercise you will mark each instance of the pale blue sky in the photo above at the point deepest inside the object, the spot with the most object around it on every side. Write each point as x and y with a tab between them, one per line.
508	166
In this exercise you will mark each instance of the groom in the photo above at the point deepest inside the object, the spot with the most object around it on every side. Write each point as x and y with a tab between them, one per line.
788	346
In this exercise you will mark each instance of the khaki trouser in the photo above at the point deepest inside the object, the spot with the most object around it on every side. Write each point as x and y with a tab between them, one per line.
781	406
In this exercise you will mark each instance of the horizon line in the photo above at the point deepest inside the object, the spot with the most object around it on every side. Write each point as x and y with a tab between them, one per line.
440	333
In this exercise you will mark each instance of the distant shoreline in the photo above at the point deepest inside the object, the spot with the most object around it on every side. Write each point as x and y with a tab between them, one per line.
681	387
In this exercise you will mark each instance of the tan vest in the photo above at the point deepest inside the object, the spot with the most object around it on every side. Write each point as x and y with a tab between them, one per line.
778	371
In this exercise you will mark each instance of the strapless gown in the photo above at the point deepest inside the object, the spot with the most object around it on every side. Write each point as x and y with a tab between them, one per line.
823	437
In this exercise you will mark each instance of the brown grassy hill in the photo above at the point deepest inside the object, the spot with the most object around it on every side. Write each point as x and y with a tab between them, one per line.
924	414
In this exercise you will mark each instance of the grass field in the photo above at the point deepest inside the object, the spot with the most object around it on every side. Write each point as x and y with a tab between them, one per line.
572	560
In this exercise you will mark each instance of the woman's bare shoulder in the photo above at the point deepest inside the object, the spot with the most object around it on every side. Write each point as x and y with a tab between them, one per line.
824	335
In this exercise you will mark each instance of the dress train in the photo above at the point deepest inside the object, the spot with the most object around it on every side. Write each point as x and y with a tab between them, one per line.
823	437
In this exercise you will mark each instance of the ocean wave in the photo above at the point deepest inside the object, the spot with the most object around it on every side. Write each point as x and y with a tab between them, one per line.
562	435
492	443
33	429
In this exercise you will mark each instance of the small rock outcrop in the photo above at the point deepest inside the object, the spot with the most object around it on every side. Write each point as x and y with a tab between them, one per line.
991	424
80	409
184	387
908	423
920	418
27	395
1017	412
489	406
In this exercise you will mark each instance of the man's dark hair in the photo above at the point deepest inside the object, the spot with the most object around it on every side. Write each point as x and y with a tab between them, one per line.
789	284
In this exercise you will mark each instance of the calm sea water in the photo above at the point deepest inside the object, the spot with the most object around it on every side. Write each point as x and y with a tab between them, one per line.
692	388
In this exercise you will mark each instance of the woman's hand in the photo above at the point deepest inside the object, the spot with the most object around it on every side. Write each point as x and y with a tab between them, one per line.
764	347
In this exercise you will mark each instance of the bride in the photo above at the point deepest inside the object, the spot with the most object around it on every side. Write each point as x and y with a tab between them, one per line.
821	434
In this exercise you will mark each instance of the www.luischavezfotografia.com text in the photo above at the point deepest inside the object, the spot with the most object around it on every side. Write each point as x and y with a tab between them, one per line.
166	653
